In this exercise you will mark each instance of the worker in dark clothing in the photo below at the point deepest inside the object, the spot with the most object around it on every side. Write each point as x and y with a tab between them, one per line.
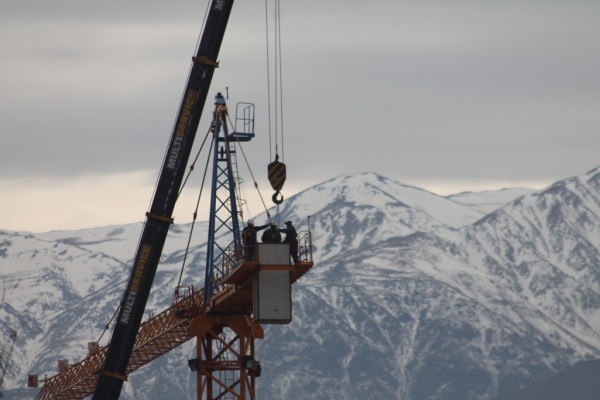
249	234
291	237
271	235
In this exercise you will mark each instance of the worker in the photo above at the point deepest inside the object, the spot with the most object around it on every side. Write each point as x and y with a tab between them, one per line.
249	238
271	235
291	237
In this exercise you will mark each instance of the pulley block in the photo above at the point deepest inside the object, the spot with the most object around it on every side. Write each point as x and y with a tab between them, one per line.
276	174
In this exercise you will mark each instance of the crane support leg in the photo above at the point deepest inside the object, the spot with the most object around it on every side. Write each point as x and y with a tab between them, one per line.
226	366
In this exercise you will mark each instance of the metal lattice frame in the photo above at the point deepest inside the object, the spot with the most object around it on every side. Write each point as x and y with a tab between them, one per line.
158	335
226	364
223	221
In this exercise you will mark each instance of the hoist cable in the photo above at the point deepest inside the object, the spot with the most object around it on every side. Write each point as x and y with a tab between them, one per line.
276	78
107	326
279	61
251	174
206	11
268	79
193	164
195	215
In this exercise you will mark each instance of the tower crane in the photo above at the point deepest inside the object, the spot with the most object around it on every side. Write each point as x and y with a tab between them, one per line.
240	293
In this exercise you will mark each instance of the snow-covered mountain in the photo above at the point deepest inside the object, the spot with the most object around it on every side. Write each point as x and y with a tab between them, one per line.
413	295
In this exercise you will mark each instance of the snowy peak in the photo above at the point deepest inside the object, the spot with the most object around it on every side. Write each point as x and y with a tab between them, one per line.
353	211
369	190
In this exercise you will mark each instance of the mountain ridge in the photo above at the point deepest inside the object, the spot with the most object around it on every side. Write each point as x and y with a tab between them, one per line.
413	295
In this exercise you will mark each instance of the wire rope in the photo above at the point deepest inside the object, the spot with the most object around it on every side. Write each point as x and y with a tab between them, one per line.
251	174
275	104
280	82
269	117
276	74
195	215
274	80
193	164
107	326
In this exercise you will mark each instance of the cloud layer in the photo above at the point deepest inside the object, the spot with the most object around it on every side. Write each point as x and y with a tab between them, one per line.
421	92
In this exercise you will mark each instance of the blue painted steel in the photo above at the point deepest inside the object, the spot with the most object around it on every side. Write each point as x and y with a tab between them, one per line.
223	223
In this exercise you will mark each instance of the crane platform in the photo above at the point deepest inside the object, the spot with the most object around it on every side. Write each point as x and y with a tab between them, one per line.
237	296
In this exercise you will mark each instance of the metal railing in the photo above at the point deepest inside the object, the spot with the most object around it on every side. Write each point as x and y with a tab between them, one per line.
232	259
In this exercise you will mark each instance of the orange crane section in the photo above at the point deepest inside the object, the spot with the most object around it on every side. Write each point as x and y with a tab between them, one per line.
190	316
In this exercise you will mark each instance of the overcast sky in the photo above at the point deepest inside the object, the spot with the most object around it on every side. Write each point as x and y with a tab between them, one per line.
447	95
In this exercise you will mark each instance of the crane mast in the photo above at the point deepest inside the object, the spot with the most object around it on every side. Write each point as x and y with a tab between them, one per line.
159	218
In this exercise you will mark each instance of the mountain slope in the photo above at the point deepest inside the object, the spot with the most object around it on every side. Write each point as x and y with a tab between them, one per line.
578	382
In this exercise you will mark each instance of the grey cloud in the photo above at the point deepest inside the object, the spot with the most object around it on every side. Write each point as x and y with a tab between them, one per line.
413	90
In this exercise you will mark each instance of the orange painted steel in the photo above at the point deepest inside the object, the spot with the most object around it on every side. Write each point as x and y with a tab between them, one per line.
158	335
188	317
224	341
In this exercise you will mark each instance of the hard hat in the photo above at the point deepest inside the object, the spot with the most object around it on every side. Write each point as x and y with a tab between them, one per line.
288	222
250	222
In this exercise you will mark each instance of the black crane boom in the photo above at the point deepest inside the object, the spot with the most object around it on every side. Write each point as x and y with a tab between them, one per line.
159	218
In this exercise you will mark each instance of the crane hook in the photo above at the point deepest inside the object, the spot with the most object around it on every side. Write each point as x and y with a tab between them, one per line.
277	175
277	200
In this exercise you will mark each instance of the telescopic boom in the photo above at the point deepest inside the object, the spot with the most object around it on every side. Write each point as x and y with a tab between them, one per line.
159	218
